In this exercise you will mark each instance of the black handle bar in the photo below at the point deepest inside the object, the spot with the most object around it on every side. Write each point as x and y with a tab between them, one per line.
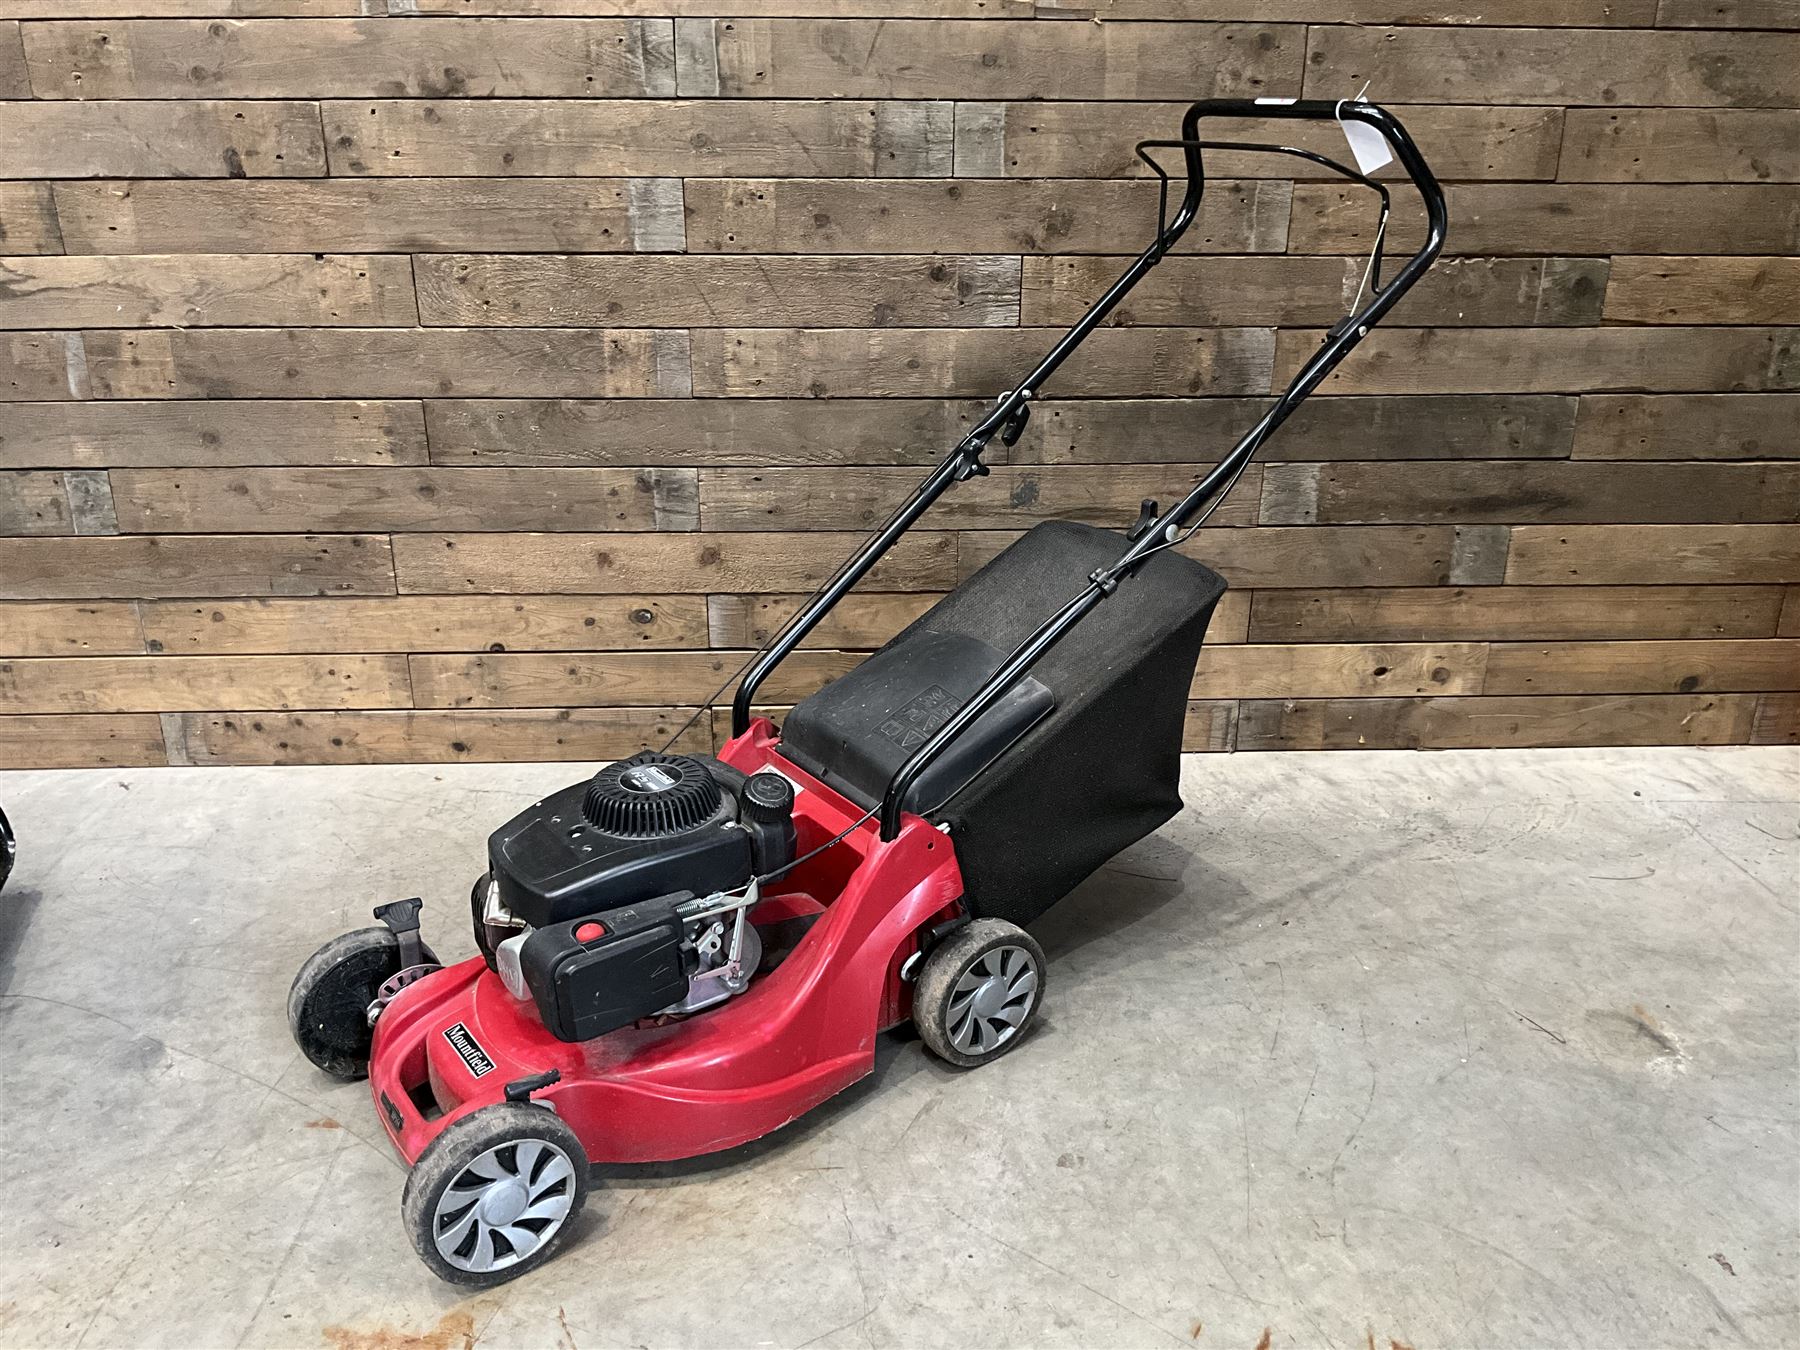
1186	515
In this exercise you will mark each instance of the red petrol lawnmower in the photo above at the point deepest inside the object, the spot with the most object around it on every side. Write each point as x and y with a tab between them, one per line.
684	953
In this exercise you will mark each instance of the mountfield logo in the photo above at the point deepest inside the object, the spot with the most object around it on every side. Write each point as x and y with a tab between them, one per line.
472	1054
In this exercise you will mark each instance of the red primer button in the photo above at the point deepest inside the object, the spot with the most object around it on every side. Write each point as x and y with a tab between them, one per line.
590	932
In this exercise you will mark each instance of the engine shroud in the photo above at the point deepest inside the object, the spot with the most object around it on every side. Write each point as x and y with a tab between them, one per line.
645	827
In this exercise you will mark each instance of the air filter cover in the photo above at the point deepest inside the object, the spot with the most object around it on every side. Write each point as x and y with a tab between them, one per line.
651	796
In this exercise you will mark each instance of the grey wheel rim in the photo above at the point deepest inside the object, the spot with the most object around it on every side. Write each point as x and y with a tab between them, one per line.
990	1000
505	1206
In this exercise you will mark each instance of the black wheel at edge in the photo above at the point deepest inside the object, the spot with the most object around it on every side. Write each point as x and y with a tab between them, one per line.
978	992
329	1001
496	1194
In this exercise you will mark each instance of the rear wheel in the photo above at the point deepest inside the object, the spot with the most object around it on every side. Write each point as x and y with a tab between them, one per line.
978	992
495	1194
328	1005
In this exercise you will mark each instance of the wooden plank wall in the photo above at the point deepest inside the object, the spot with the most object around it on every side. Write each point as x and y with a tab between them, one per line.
480	379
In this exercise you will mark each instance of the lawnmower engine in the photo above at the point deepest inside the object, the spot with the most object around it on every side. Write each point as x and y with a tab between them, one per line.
628	896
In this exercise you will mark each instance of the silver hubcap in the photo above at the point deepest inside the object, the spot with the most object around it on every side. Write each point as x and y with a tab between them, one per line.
991	999
504	1206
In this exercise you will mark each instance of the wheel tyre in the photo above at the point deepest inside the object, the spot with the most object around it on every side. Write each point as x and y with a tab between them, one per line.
328	1004
978	992
496	1194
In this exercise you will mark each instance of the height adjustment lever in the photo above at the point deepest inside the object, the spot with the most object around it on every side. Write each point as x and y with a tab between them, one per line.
402	919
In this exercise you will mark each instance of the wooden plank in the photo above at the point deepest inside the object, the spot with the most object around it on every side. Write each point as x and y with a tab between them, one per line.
1557	218
1623	555
555	433
1688	426
42	366
1582	13
178	432
424	624
89	493
825	9
33	502
1541	65
1518	492
1703	290
1501	13
1058	140
28	221
1231	618
1728	13
206	290
151	9
435	737
609	564
1220	292
1681	145
1642	667
790	363
1209	726
1554	360
257	501
1500	613
860	621
1789	623
978	59
1008	498
15	81
1451	426
1777	720
1322	670
121	742
638	137
108	684
130	567
206	139
1479	723
352	58
1309	558
103	629
711	292
386	363
971	215
759	432
385	215
611	679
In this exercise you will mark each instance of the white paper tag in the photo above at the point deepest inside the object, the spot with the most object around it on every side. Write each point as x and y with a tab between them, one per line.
1368	145
1277	100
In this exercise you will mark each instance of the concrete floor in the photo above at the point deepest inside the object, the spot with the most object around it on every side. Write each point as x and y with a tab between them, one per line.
1465	1049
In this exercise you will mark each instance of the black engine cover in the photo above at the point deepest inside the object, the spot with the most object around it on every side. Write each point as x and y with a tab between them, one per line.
554	864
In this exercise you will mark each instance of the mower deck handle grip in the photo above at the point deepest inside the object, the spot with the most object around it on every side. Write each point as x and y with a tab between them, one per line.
1342	110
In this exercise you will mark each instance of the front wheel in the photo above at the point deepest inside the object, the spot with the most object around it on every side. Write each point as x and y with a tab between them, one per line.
495	1194
978	991
328	1005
